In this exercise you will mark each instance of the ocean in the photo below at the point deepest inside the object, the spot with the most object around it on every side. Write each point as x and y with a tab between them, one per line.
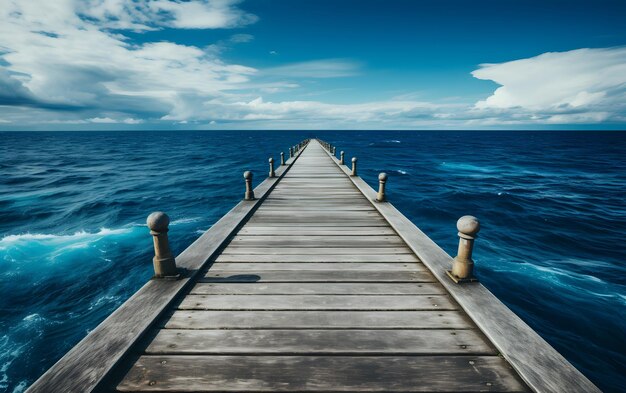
74	246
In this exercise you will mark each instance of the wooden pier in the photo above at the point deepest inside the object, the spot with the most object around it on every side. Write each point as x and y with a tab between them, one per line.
313	283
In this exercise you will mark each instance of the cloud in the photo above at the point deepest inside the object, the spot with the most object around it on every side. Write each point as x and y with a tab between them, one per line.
108	120
152	14
74	62
577	86
61	55
241	38
391	114
326	68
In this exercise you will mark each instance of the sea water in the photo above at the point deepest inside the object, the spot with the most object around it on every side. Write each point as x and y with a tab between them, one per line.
74	245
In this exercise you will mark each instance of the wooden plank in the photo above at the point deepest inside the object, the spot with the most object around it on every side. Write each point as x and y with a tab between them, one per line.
308	207
317	223
252	267
317	302
317	289
320	374
315	276
316	231
320	342
359	258
313	241
317	320
314	250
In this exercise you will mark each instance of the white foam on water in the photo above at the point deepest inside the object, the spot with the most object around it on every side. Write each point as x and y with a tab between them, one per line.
185	220
48	238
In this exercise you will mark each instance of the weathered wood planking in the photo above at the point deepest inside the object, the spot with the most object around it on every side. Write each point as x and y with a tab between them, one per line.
308	258
321	374
314	250
402	320
303	288
316	276
320	342
358	266
317	302
316	271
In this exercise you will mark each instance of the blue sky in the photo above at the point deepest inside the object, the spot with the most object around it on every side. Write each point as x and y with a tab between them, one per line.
285	64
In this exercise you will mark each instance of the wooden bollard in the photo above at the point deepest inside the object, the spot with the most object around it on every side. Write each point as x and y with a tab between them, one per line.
354	160
249	192
341	156
382	180
463	265
272	173
282	158
164	262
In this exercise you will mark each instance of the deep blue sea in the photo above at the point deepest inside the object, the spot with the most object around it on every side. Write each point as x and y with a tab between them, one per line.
73	244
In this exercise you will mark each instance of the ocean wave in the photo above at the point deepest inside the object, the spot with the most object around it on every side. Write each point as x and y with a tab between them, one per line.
185	220
11	240
465	167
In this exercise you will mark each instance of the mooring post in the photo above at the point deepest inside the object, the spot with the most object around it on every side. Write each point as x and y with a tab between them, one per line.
463	265
272	174
353	166
282	158
249	192
291	152
341	155
382	179
164	262
334	150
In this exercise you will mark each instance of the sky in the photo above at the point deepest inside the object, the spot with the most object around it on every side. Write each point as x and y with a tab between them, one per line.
304	64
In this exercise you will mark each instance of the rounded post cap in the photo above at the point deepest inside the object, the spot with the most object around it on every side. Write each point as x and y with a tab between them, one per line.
271	159
247	175
158	221
354	159
342	153
468	226
382	176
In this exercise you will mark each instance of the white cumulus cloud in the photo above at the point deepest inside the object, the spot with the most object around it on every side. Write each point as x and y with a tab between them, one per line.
577	86
62	56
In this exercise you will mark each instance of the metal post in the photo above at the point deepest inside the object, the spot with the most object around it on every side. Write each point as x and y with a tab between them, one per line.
341	155
382	179
463	265
291	152
282	158
249	192
354	160
272	174
164	262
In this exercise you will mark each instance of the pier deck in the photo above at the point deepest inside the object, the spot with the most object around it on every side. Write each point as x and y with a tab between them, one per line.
316	288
